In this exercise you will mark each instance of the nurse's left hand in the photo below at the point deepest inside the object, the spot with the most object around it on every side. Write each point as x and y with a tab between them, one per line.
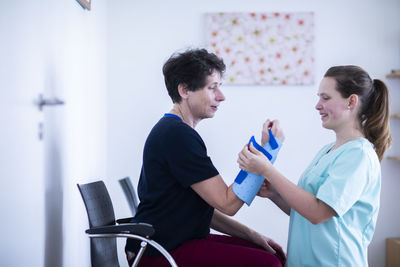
252	160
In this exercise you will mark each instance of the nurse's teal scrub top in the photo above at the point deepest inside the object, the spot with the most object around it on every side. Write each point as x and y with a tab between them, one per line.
348	179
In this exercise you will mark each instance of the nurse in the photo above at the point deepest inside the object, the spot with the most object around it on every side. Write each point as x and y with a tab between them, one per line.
334	208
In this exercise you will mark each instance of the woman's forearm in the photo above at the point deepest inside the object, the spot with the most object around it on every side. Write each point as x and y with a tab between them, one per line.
226	225
218	195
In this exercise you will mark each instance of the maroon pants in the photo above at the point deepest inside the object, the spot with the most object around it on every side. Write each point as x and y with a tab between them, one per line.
216	250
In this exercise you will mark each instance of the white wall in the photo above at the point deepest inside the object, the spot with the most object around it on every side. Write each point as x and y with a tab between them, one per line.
55	48
143	34
106	64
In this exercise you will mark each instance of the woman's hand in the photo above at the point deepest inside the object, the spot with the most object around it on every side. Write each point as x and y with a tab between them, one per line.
252	160
268	244
275	129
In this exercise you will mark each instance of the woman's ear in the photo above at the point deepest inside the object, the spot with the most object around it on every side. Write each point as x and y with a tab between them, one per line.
353	101
183	91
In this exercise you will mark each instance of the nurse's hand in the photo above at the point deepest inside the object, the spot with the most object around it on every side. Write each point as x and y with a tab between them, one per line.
275	129
267	190
252	160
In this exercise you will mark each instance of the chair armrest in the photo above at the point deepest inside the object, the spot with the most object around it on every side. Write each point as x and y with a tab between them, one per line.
141	229
124	220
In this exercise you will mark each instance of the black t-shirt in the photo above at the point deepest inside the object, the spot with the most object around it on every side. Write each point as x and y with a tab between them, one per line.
174	158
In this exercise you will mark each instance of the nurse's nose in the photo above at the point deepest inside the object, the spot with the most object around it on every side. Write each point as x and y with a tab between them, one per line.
318	106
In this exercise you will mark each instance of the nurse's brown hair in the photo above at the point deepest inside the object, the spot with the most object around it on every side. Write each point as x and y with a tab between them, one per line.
374	110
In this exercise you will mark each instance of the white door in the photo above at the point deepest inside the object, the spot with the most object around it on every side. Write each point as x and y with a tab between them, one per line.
31	195
22	188
57	49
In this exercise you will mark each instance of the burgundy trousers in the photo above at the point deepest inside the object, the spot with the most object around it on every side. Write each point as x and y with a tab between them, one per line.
216	250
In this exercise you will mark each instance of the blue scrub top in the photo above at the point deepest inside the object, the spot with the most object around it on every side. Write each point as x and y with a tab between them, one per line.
348	179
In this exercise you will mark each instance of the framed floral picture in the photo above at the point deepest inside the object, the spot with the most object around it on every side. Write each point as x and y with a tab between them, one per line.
86	4
263	48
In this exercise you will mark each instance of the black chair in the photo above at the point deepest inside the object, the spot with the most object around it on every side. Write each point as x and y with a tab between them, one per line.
130	194
103	230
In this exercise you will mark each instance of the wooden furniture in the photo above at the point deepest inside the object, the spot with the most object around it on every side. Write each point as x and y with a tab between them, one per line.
392	252
395	74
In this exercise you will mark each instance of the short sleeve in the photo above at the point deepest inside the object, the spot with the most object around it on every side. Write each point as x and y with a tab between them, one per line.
187	157
346	180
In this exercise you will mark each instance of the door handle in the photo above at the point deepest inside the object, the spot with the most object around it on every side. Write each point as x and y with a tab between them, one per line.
48	102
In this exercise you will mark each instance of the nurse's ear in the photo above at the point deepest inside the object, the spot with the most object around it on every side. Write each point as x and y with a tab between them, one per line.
353	102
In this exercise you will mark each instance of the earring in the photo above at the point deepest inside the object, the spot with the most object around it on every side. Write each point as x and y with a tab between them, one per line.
348	107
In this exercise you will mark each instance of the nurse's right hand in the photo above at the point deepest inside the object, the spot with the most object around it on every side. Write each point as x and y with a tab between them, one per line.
267	190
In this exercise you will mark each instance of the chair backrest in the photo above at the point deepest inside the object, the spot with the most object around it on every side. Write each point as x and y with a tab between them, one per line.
103	251
130	194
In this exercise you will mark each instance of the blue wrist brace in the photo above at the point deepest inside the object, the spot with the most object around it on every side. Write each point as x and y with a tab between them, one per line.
246	183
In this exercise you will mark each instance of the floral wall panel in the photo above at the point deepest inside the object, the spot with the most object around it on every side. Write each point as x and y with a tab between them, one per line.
263	48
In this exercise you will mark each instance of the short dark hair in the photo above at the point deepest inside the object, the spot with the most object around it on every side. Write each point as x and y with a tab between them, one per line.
190	68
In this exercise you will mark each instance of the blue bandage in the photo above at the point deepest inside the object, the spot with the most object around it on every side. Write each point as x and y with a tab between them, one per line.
246	183
272	146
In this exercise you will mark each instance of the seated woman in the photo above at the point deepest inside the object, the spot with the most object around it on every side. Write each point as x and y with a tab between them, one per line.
181	192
